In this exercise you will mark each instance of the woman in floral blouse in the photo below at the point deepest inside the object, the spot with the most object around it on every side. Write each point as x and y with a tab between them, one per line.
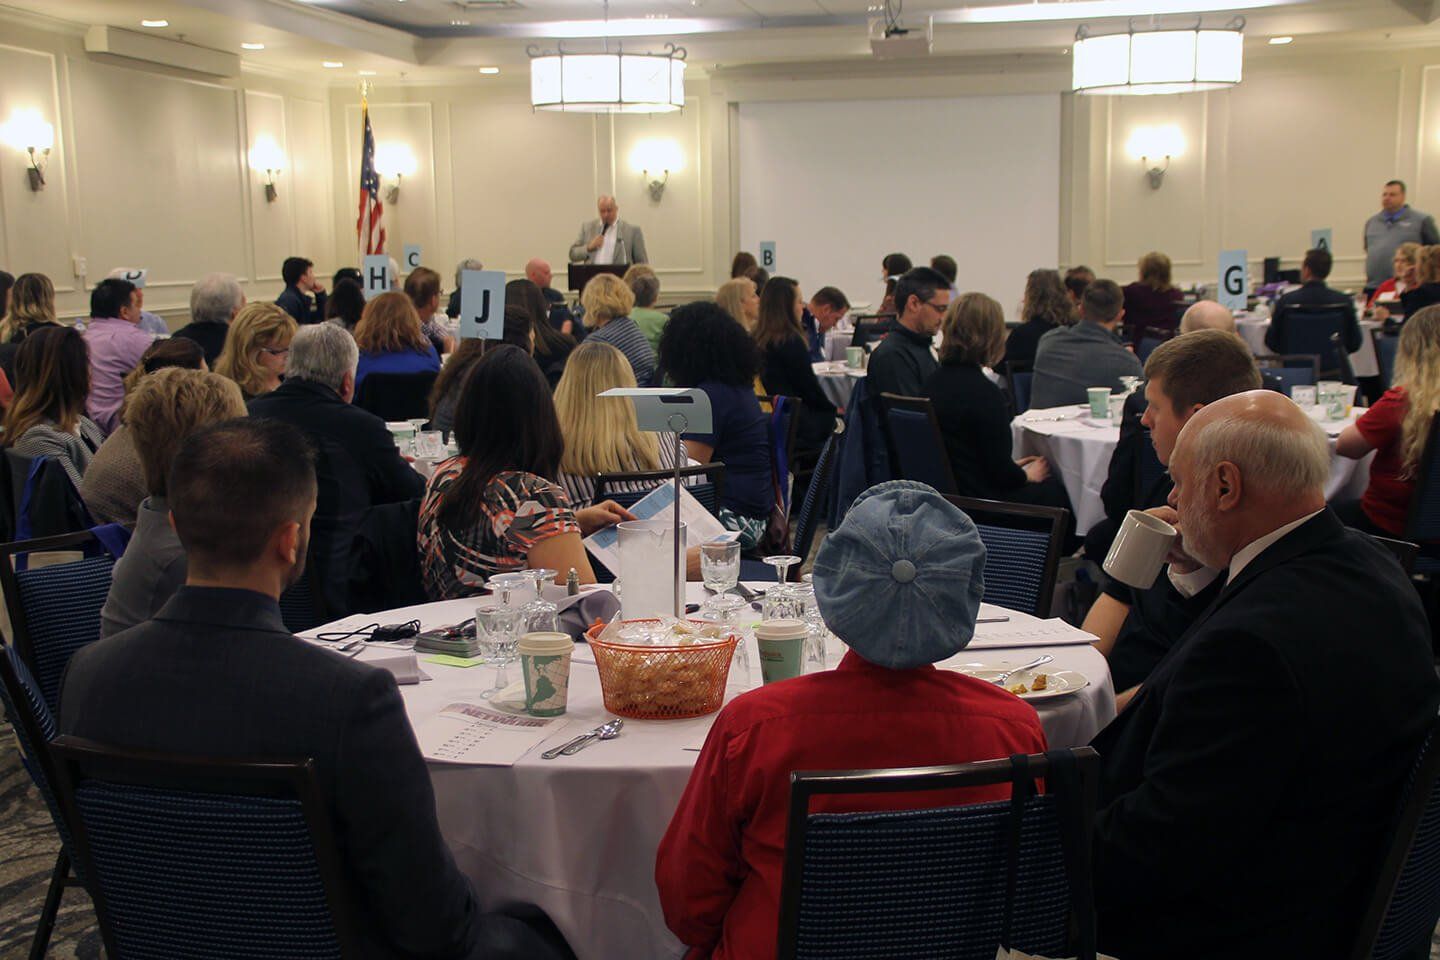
496	508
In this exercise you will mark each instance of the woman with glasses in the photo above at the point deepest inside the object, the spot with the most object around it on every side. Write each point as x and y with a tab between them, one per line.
391	341
256	349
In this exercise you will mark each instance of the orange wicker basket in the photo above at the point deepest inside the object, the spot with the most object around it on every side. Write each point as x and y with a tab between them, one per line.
662	682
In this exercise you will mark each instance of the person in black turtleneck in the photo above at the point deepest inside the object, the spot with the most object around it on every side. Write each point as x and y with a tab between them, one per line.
903	362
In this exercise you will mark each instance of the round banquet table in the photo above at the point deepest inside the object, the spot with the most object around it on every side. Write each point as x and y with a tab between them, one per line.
1079	453
837	381
1253	329
577	836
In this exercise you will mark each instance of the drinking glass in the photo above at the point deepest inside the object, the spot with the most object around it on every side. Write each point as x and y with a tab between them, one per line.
429	445
720	565
497	628
816	633
540	615
724	609
416	425
780	600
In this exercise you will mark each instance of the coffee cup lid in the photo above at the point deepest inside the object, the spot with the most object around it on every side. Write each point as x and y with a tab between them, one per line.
544	642
779	629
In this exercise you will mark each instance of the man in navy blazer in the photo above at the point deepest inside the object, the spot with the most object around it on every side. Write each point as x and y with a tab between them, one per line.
1247	789
216	673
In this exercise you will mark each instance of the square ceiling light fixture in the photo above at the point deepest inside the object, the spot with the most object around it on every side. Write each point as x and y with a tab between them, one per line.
1158	61
608	82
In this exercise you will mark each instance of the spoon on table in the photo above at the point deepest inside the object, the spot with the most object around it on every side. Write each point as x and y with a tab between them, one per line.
606	731
1038	661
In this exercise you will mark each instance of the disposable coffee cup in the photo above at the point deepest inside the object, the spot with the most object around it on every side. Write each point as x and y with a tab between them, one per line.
1099	402
1139	549
545	661
781	644
1304	395
854	357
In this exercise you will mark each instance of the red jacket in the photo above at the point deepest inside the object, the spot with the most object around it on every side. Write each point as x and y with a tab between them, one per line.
719	865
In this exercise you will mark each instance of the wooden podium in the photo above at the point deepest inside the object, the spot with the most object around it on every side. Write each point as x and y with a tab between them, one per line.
580	273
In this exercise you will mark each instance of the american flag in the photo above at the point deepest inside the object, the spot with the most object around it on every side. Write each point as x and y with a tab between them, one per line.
370	227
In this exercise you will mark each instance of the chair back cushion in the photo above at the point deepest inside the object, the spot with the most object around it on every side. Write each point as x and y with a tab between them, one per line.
62	605
1387	347
1020	387
919	454
1310	329
1424	522
1014	566
396	396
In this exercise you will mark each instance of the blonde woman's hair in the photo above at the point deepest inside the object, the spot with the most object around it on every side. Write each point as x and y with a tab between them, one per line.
1427	264
606	297
974	327
1155	270
169	405
257	327
389	324
731	298
32	300
1409	251
601	435
1417	369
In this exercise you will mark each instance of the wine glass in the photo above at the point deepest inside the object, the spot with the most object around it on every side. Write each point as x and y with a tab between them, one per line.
816	633
1130	383
724	609
720	565
540	615
497	627
416	425
780	599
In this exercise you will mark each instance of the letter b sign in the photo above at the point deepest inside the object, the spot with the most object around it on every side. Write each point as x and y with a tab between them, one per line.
767	255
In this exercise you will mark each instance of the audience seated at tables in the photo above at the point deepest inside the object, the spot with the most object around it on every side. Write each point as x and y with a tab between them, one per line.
1406	263
452	305
32	307
645	285
422	286
1076	280
740	298
551	347
703	348
116	345
149	322
214	301
255	351
1150	301
900	582
892	268
496	508
1137	628
114	483
1396	428
164	409
345	304
608	302
538	272
742	263
47	417
304	296
357	464
945	265
1045	306
974	415
602	435
1427	290
1247	791
902	362
216	674
1087	354
785	358
391	339
1313	293
827	307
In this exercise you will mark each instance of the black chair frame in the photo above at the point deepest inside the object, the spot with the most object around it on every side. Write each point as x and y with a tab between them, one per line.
74	755
977	510
819	488
805	785
891	401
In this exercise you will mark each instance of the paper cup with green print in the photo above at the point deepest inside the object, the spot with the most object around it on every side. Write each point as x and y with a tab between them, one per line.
545	661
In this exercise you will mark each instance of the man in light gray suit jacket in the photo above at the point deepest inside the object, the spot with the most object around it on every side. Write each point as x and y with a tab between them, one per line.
607	240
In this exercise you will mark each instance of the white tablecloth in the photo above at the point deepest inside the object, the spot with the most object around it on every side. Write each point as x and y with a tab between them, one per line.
837	381
1362	361
1080	454
577	836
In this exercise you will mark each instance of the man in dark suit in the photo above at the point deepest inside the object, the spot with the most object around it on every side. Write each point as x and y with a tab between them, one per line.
1246	791
215	673
1313	293
357	463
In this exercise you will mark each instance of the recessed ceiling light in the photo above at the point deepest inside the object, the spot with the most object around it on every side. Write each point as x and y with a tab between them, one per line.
367	73
331	64
489	71
154	23
252	46
1281	41
459	23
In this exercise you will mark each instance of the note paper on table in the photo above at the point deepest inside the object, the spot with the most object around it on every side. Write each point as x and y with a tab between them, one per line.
478	734
1028	633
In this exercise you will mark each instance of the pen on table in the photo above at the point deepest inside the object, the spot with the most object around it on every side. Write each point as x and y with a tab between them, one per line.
992	619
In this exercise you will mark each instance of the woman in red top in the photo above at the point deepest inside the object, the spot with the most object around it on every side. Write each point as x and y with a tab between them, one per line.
1396	428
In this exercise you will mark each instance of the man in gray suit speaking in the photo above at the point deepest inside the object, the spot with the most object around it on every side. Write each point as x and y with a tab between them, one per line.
607	240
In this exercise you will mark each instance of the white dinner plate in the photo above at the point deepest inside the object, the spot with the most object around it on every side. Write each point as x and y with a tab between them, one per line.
1061	683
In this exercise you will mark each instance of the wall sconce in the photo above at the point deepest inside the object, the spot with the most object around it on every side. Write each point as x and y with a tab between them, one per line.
29	132
660	154
1149	143
266	157
394	160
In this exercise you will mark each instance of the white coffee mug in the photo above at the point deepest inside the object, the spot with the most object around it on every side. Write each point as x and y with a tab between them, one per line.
1139	549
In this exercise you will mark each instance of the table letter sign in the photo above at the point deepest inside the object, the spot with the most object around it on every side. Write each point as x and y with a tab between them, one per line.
136	276
1320	239
1234	279
376	268
482	304
412	256
767	255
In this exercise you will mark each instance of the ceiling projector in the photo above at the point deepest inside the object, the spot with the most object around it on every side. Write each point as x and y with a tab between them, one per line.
890	41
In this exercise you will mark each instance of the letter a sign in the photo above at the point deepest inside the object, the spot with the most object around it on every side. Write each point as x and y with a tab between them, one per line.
482	304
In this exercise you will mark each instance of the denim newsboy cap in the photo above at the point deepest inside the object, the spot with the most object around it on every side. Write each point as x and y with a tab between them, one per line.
900	580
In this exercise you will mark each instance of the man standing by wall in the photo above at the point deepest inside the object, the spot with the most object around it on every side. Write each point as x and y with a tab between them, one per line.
1396	223
607	240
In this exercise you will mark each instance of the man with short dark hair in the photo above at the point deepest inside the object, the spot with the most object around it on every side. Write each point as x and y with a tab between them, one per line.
1070	360
903	362
300	286
116	344
1396	223
826	308
1313	293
